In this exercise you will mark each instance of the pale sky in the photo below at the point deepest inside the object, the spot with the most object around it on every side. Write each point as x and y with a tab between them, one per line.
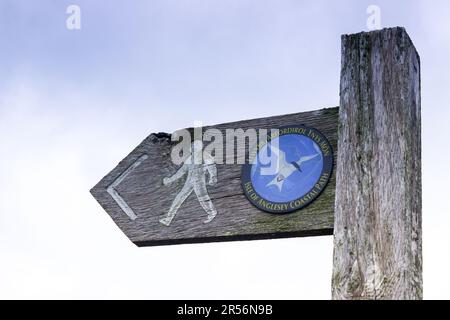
73	103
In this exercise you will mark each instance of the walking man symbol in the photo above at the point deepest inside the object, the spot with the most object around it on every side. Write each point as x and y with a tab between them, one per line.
196	171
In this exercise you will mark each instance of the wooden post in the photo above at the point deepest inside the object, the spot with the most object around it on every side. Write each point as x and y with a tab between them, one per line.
377	231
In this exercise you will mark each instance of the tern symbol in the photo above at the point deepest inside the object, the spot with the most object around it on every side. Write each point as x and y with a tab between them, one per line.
285	169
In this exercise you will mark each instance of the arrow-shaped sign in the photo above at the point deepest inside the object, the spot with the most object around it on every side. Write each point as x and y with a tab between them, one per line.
156	199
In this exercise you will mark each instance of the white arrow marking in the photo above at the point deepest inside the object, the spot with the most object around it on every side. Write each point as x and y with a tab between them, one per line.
116	196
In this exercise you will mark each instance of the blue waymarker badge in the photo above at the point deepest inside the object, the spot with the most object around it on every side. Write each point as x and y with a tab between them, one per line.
289	171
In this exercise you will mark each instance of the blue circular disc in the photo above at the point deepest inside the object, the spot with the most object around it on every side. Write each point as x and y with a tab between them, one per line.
289	171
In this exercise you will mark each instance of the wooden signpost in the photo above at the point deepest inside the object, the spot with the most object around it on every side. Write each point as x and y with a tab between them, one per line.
354	169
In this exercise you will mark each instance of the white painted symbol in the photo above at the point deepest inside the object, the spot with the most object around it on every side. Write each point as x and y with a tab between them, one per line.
285	169
116	196
196	181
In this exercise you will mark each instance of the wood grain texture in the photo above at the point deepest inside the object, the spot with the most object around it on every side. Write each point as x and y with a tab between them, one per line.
377	235
237	218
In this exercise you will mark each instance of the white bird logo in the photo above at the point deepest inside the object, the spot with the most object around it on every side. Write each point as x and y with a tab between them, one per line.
285	169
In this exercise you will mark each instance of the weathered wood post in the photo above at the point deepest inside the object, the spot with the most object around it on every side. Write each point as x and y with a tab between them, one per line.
377	231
